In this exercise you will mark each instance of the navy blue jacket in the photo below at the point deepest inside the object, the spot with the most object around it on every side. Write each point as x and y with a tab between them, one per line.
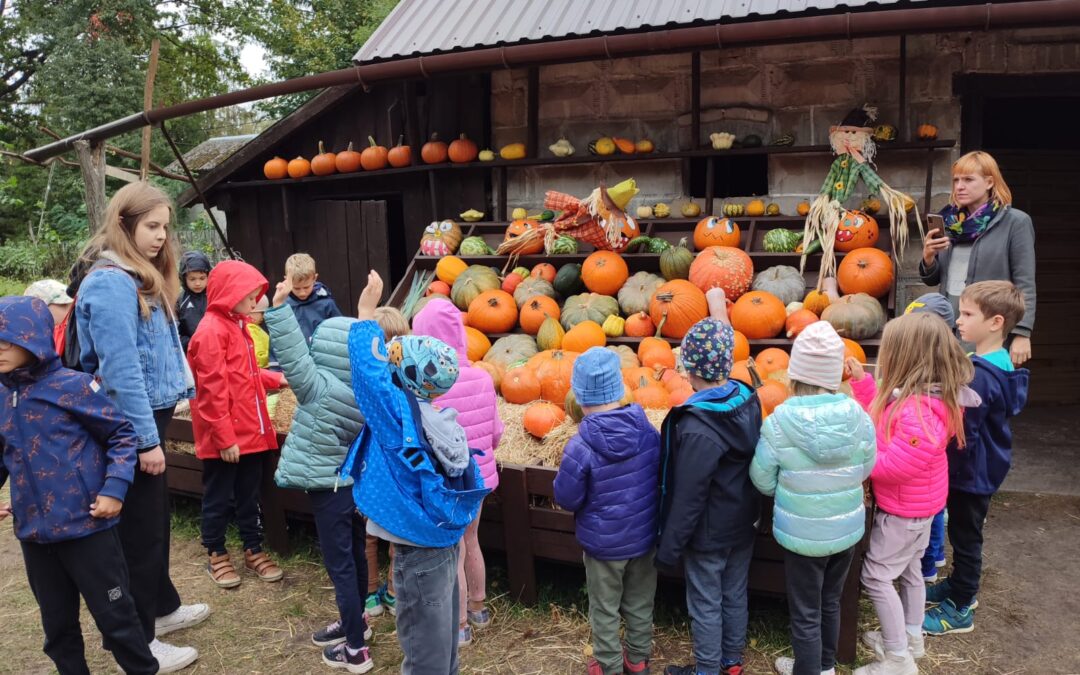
981	465
63	441
609	478
191	307
708	502
316	308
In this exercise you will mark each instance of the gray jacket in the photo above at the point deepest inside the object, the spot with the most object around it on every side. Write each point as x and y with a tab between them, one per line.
1005	251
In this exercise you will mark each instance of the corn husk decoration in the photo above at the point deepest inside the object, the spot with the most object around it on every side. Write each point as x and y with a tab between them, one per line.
599	219
853	143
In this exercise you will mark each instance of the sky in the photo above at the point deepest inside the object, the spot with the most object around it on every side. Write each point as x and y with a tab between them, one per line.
253	58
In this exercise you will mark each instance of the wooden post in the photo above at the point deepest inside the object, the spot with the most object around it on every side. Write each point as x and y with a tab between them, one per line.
273	510
519	555
148	103
695	100
92	166
902	122
532	130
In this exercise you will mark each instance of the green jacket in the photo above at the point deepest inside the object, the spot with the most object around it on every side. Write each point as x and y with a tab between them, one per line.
326	420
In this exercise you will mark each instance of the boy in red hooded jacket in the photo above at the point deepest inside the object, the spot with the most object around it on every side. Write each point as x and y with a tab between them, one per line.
230	420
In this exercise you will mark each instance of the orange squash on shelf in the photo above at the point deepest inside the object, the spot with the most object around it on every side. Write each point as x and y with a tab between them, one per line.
348	160
741	352
520	385
771	360
535	310
583	336
545	271
476	344
639	325
716	231
434	151
723	267
553	368
324	163
276	169
856	230
400	155
866	270
797	321
676	306
374	157
523	238
604	272
758	315
299	168
493	311
462	150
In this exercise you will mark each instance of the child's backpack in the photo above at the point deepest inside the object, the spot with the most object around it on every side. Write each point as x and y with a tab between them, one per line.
70	356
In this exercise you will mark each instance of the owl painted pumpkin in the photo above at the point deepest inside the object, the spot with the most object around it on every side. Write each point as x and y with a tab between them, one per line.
440	238
857	230
532	241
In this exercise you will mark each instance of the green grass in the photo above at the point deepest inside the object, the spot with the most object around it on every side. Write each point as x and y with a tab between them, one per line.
12	286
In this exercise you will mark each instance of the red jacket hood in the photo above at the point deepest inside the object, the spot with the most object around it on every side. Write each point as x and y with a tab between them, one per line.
229	282
441	320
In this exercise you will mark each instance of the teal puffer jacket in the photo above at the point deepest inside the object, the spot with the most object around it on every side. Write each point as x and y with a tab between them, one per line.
813	456
327	419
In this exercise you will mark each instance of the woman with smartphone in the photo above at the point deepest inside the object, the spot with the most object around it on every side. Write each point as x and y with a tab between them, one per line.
980	236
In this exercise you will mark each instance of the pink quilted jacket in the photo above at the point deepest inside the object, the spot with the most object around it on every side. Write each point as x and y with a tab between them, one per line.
473	395
911	477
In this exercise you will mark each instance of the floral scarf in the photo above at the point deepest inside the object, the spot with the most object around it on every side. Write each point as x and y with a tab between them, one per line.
964	228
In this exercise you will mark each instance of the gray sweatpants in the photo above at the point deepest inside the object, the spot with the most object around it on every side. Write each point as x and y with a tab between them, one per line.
427	599
895	552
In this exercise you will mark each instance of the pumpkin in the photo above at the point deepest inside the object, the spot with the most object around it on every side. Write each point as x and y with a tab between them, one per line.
602	146
652	397
512	151
550	335
583	336
713	231
535	311
857	316
520	385
476	344
676	306
636	293
324	163
439	288
570	405
493	371
802	208
624	145
614	326
771	393
554	369
493	311
854	350
541	417
400	155
441	238
758	315
781	240
299	168
797	321
276	169
772	209
740	372
462	150
434	151
545	271
856	230
677	395
532	243
422	302
926	132
510	349
474	246
654	352
644	145
723	267
732	210
866	270
627	357
475	280
587	307
604	272
568	280
675	261
511	281
530	287
563	245
639	376
816	301
785	282
755	208
771	360
374	156
348	160
449	268
870	205
639	324
741	352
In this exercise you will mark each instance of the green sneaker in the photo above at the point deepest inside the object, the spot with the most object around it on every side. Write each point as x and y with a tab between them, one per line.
948	618
389	601
373	604
938	593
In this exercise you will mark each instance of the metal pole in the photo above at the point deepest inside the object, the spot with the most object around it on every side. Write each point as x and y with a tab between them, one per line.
198	189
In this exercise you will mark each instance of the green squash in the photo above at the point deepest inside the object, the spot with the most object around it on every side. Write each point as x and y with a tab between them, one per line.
587	307
675	262
563	245
636	293
638	245
786	139
782	240
531	287
472	282
751	141
474	246
657	245
568	280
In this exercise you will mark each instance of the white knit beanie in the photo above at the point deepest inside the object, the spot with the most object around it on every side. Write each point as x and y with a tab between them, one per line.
817	357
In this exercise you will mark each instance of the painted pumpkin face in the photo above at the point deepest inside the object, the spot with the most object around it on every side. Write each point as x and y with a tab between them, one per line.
857	230
440	238
713	231
532	240
628	229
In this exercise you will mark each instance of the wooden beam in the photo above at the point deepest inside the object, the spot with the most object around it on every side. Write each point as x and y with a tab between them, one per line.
695	100
532	130
902	122
123	174
148	104
92	166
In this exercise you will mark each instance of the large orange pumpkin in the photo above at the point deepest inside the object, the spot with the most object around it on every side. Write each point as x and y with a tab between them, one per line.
535	310
652	396
770	360
434	151
493	311
716	231
857	229
676	306
533	241
476	344
553	368
520	385
276	169
324	163
866	270
541	417
348	160
604	272
462	150
771	393
742	347
758	315
583	336
723	267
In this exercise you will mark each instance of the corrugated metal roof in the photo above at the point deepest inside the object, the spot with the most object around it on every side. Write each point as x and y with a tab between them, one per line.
211	152
434	26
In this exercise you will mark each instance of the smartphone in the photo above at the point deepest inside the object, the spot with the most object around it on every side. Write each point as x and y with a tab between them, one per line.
934	221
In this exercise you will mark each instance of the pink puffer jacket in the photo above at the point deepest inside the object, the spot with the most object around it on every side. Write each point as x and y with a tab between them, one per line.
473	395
911	477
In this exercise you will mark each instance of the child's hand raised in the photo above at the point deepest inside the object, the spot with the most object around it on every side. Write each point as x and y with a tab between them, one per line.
281	293
369	298
717	300
853	369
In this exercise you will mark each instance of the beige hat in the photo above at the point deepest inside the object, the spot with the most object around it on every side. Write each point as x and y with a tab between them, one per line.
49	291
817	357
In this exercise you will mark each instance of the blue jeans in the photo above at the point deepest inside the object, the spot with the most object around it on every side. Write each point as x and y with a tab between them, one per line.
341	540
425	580
935	550
716	598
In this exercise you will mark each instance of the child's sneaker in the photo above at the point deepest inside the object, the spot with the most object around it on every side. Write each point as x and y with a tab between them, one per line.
185	616
263	567
330	635
373	604
938	593
222	572
890	664
388	601
948	618
876	643
479	619
340	656
171	658
464	635
631	668
735	669
785	665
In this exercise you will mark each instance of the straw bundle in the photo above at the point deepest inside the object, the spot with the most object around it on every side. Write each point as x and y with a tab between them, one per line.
281	415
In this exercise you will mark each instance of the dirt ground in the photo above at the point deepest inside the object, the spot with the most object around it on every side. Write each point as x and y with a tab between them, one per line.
1028	618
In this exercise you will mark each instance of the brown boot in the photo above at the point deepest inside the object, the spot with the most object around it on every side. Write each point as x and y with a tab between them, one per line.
263	567
221	570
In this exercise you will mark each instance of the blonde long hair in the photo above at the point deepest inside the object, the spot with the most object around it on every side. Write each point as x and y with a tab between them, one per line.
983	164
918	356
158	276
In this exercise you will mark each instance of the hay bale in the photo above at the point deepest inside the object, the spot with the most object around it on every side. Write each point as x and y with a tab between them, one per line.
181	447
281	415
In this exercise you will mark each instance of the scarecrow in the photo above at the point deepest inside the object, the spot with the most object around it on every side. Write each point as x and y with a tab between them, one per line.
599	219
853	143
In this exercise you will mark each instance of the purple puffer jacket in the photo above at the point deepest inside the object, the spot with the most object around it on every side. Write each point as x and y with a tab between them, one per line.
609	478
473	395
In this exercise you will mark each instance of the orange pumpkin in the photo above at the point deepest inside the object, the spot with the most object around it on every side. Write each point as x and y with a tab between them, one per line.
584	335
448	268
677	395
434	151
511	282
348	160
535	310
816	301
476	344
639	325
758	315
741	352
654	352
771	393
541	417
374	157
532	241
770	360
926	132
854	350
797	321
676	306
493	311
324	163
493	371
723	267
520	385
439	288
299	168
462	150
857	229
635	377
604	272
716	231
553	368
400	155
652	397
625	145
276	169
740	372
866	270
545	271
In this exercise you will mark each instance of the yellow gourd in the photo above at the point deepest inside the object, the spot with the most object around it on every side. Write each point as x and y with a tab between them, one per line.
513	151
755	208
614	326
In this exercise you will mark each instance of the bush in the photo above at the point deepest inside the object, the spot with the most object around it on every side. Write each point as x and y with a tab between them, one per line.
12	286
26	260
